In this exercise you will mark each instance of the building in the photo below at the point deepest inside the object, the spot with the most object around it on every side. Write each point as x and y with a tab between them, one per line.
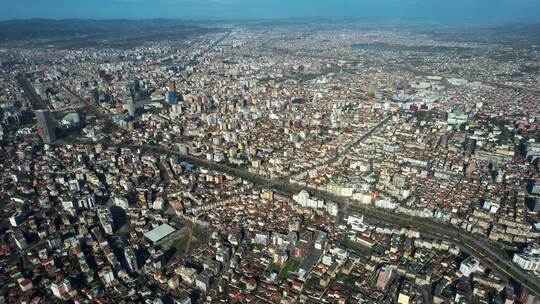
157	258
121	202
533	150
105	218
61	288
261	238
305	200
106	275
25	284
527	262
385	203
357	223
171	98
20	240
130	107
172	86
17	218
456	117
320	240
131	259
403	299
183	300
529	259
95	96
384	277
71	120
202	281
46	126
159	233
469	266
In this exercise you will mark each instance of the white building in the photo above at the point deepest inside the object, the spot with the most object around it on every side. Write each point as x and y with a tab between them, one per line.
60	288
357	223
385	203
261	238
158	204
527	262
529	259
107	276
363	198
131	259
332	209
469	266
121	202
304	199
17	218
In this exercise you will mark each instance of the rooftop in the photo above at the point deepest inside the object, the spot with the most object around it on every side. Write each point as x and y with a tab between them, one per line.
158	233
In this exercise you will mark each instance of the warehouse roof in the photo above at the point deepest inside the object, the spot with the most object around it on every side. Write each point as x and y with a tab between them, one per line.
158	233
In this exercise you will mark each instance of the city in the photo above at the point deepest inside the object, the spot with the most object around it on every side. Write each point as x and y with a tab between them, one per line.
278	162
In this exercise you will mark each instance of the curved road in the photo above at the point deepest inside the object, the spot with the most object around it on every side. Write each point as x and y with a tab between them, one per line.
474	246
479	248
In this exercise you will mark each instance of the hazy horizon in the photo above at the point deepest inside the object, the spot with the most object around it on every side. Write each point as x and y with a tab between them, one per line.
481	11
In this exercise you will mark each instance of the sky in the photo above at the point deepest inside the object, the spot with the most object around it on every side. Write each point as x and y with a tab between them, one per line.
489	11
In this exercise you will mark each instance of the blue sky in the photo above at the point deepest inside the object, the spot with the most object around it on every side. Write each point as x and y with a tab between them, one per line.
448	10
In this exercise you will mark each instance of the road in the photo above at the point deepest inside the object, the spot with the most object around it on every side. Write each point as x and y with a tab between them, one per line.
30	93
410	68
88	107
195	59
345	151
426	295
477	247
474	246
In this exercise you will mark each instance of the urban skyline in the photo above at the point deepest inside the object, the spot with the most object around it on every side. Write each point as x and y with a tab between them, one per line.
331	161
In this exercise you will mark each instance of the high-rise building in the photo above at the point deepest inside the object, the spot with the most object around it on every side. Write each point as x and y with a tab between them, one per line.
157	259
128	90
45	125
95	96
130	107
171	98
131	259
136	85
172	86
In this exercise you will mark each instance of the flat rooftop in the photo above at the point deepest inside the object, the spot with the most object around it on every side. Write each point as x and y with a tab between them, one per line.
160	232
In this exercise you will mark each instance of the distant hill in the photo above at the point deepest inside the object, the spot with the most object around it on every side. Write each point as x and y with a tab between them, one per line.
58	31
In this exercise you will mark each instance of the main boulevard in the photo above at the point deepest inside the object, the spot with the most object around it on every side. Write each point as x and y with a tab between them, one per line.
480	248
